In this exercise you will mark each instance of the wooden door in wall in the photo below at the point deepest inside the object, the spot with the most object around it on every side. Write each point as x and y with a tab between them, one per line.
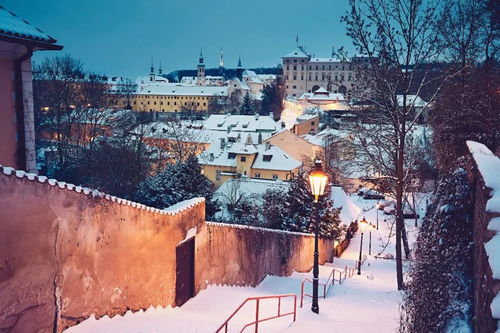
184	284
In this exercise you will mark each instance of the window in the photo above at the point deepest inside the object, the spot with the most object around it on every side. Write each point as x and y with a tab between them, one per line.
294	67
294	87
295	77
312	123
275	177
257	175
243	159
231	156
267	158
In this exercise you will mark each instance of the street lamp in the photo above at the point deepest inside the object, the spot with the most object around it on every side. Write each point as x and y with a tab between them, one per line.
362	225
378	208
318	180
371	226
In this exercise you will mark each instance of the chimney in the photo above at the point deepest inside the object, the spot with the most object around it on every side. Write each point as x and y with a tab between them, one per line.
271	115
256	116
259	138
211	157
222	143
268	145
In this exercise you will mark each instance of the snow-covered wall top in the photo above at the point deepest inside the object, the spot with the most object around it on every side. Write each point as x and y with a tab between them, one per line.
489	167
172	210
246	227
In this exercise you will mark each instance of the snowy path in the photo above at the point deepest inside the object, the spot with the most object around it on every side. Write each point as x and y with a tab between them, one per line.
364	303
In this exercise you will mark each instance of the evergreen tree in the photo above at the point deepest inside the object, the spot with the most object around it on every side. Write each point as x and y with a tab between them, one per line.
178	182
294	211
248	106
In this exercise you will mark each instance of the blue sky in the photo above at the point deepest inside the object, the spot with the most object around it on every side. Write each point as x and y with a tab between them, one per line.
119	37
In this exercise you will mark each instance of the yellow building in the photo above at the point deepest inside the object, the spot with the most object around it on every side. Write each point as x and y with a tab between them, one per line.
259	161
177	98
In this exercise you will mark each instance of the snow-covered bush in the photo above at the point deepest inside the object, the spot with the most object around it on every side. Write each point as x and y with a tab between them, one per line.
438	297
178	182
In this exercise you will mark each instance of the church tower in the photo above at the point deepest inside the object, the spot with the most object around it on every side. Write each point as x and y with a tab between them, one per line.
201	71
221	59
160	71
239	70
152	72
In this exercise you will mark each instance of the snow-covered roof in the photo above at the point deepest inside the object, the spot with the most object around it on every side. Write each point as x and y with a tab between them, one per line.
322	94
324	136
276	159
251	76
412	100
12	25
240	123
178	208
249	187
325	60
170	89
279	160
305	117
297	52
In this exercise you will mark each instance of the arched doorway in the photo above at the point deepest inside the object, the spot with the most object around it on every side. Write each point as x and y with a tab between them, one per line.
343	90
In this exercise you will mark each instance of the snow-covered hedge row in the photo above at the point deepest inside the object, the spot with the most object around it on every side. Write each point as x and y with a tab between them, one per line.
438	297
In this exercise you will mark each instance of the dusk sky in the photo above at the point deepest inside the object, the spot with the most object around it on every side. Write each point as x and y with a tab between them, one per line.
119	37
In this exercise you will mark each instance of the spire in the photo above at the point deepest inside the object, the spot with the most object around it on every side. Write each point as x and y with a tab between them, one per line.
333	51
221	59
160	72
297	39
152	69
239	69
201	57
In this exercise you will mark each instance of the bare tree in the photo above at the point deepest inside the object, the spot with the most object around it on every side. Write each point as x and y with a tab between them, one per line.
400	41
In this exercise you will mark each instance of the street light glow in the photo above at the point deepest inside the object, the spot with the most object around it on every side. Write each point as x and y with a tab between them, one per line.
318	180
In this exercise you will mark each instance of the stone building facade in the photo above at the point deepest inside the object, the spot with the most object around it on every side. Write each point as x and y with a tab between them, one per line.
304	73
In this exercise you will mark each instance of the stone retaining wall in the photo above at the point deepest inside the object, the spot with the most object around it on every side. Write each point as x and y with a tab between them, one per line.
239	255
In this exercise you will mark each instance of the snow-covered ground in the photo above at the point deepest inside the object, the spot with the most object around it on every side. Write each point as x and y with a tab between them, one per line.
363	303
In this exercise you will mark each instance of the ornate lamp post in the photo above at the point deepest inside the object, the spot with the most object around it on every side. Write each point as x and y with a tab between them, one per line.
362	226
318	180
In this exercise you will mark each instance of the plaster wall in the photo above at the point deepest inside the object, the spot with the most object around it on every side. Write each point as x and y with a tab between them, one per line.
238	255
66	255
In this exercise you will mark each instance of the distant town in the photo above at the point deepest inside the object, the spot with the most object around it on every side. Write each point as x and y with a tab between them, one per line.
351	192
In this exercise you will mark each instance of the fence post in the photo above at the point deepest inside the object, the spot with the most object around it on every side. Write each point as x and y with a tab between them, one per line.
294	307
279	305
257	317
302	294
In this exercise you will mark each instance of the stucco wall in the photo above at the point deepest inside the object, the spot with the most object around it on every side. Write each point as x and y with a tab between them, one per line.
239	255
65	255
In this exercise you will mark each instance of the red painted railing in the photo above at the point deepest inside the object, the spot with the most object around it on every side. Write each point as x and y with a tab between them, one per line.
257	319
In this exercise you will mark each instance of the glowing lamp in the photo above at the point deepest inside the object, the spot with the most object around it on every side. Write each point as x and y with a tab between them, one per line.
318	180
363	224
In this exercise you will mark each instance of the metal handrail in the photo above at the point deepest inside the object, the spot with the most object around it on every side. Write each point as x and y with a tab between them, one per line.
348	272
257	320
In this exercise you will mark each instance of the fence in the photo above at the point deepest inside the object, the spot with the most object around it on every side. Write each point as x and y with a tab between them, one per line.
258	320
347	272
